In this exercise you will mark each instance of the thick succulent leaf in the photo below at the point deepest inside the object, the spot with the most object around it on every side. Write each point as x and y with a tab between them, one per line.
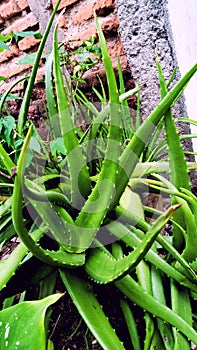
91	311
131	201
103	268
22	325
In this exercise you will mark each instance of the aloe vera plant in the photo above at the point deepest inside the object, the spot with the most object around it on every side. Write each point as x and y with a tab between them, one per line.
79	211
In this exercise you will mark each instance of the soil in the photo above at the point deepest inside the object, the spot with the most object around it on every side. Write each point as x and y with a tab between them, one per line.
69	332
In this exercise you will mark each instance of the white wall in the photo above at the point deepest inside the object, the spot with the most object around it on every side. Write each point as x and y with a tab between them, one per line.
183	18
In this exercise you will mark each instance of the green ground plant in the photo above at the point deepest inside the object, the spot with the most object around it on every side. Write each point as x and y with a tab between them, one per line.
75	205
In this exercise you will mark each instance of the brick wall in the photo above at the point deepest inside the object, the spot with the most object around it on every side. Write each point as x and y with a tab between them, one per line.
76	24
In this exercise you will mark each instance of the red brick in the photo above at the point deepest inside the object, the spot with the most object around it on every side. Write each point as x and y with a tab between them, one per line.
6	55
64	3
62	23
18	87
9	9
115	48
27	43
22	24
100	70
40	74
110	26
1	20
23	4
74	41
12	69
86	12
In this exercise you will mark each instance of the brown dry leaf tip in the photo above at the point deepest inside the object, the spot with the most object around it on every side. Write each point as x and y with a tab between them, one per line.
174	208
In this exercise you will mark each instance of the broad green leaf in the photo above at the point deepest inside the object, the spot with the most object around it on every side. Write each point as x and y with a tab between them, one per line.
22	117
57	145
6	37
34	144
6	160
9	97
2	78
4	46
30	58
18	35
9	125
13	97
22	325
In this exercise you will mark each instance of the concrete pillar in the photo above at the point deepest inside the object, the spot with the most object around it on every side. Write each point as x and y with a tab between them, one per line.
182	15
144	28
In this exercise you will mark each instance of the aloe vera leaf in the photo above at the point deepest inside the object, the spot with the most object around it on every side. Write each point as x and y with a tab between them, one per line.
180	303
155	148
189	252
176	155
53	221
131	324
99	119
112	85
127	122
143	274
79	175
132	240
191	199
158	293
56	258
188	120
50	213
171	78
126	202
50	96
7	161
156	342
6	93
27	96
193	265
38	193
91	311
127	311
9	266
101	116
103	268
22	325
134	149
128	218
95	209
176	159
146	168
188	136
144	280
135	293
